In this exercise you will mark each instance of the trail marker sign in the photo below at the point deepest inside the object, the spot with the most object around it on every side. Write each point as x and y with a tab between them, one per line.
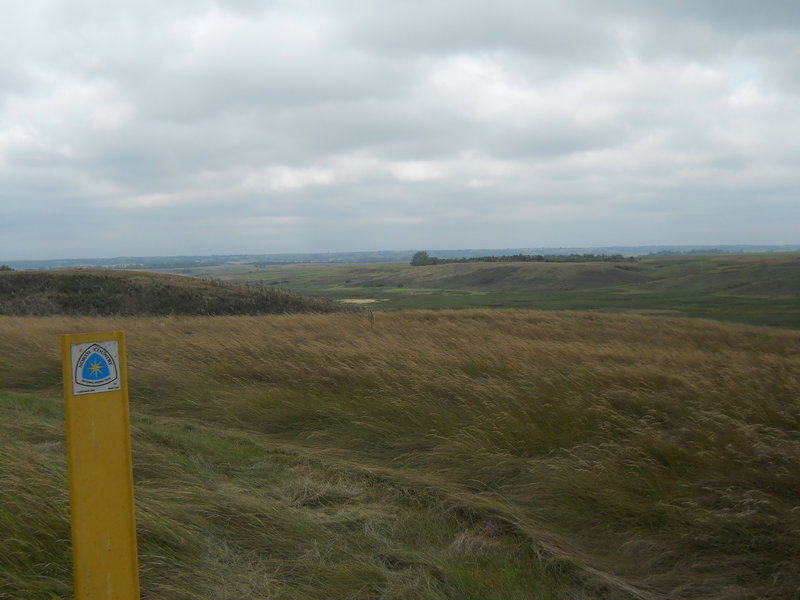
94	367
100	470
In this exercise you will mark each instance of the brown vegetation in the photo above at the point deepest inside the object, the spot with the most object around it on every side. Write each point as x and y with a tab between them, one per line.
660	455
103	292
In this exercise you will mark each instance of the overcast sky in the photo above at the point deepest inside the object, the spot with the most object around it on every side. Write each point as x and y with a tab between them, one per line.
144	127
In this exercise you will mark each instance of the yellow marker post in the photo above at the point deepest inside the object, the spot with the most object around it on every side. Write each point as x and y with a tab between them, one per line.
100	470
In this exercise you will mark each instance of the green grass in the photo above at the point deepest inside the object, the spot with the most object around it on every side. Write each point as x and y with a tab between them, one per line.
471	454
758	289
775	312
227	514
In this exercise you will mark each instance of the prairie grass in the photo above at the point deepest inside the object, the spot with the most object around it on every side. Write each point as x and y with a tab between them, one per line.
225	514
473	454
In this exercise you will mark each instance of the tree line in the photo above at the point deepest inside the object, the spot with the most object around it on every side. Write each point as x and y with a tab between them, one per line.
422	258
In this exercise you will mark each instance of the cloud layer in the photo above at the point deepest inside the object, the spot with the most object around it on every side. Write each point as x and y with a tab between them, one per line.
199	127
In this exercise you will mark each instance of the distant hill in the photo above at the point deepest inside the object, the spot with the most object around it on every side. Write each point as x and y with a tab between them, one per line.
520	277
768	275
105	292
189	264
759	289
765	275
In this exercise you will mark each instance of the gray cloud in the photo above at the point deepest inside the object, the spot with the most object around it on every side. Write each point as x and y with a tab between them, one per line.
212	127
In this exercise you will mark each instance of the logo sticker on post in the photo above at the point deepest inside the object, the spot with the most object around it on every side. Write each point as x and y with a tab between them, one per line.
95	367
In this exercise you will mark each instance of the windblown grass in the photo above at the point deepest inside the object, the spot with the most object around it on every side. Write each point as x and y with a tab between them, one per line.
225	514
660	456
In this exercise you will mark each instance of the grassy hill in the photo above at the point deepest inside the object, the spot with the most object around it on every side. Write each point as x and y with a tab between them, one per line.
104	292
520	277
766	275
431	455
759	289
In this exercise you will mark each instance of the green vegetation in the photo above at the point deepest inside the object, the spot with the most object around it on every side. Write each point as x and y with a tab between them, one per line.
758	289
473	454
103	292
225	514
483	454
422	259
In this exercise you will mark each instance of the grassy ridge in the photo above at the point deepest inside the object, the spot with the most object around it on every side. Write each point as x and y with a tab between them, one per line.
759	289
103	292
659	456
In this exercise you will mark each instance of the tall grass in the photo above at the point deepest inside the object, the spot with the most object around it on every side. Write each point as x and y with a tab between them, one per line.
224	514
661	456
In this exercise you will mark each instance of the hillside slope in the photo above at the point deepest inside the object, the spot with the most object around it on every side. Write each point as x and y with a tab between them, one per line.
430	455
765	275
517	277
759	289
104	292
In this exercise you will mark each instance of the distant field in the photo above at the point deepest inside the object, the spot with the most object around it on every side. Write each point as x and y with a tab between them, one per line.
450	455
759	289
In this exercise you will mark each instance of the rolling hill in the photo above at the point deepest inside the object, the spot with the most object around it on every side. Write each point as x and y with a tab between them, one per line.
105	292
759	289
509	277
772	275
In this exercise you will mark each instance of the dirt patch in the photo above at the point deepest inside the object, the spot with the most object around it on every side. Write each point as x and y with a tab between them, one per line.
362	300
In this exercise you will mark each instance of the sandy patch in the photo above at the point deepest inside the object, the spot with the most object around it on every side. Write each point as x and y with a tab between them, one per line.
362	300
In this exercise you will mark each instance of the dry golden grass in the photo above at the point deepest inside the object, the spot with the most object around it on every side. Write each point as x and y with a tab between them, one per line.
661	455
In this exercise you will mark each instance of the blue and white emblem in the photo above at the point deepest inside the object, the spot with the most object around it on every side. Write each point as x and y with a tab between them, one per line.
94	367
